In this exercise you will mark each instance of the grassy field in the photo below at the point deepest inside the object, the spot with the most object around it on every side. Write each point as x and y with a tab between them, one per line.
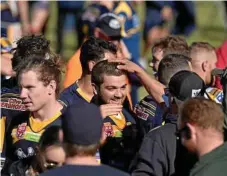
209	18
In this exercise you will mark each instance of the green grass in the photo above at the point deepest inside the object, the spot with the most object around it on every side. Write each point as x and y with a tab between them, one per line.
210	28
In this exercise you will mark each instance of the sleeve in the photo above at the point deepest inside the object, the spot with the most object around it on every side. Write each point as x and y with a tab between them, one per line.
150	160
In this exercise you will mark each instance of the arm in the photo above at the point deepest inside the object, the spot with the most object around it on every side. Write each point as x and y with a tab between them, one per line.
153	87
24	16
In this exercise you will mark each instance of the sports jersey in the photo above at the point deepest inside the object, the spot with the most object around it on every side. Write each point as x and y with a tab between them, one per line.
149	114
11	106
120	146
73	95
24	134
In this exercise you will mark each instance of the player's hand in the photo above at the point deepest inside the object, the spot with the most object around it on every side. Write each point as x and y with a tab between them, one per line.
110	109
127	65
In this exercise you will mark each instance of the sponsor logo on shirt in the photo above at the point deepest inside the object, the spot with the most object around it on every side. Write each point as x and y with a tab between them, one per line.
14	104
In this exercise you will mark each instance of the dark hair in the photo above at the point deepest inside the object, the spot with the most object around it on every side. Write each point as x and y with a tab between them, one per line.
172	44
50	137
48	69
171	64
107	68
30	45
94	49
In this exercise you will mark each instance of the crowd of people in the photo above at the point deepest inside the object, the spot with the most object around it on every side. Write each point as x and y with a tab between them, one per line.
89	121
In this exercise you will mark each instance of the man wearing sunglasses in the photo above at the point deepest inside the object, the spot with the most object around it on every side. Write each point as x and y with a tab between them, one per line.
161	152
200	124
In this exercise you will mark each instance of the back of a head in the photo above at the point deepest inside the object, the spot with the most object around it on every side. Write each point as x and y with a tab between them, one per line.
105	68
82	129
94	49
204	113
170	65
171	44
30	45
199	47
186	84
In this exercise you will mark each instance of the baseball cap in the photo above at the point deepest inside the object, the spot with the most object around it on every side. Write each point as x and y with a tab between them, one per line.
82	124
110	25
186	84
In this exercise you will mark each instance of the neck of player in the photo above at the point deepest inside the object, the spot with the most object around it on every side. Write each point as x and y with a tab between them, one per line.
48	111
82	160
84	83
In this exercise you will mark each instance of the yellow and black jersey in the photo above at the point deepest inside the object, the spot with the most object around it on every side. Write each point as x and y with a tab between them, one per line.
24	133
117	150
128	18
11	106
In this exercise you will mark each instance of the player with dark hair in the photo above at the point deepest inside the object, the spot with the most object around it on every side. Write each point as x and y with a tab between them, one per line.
93	51
110	87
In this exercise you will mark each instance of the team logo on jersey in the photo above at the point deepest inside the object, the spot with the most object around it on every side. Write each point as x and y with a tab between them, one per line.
140	112
21	130
108	129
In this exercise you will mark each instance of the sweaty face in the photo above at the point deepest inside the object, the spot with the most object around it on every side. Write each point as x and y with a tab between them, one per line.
157	57
32	91
54	156
113	90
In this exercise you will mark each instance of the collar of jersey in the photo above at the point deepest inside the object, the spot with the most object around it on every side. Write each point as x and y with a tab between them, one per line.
37	126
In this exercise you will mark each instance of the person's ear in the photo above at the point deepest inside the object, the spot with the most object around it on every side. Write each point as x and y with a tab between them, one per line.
52	87
91	64
205	66
190	131
95	88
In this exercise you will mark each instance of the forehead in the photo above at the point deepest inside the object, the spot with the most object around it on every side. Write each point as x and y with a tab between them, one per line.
28	77
114	80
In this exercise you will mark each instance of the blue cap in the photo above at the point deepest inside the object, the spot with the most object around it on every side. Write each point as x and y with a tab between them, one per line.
82	124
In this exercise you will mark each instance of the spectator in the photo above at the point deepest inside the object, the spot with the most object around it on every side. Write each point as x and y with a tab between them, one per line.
201	132
65	8
221	53
160	152
110	88
50	154
81	143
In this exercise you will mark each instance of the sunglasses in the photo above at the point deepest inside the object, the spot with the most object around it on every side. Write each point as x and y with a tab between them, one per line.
180	132
51	165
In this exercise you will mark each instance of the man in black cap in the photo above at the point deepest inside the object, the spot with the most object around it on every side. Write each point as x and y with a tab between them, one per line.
161	152
82	131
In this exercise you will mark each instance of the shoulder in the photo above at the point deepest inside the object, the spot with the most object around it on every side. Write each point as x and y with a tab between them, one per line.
68	94
112	171
214	94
